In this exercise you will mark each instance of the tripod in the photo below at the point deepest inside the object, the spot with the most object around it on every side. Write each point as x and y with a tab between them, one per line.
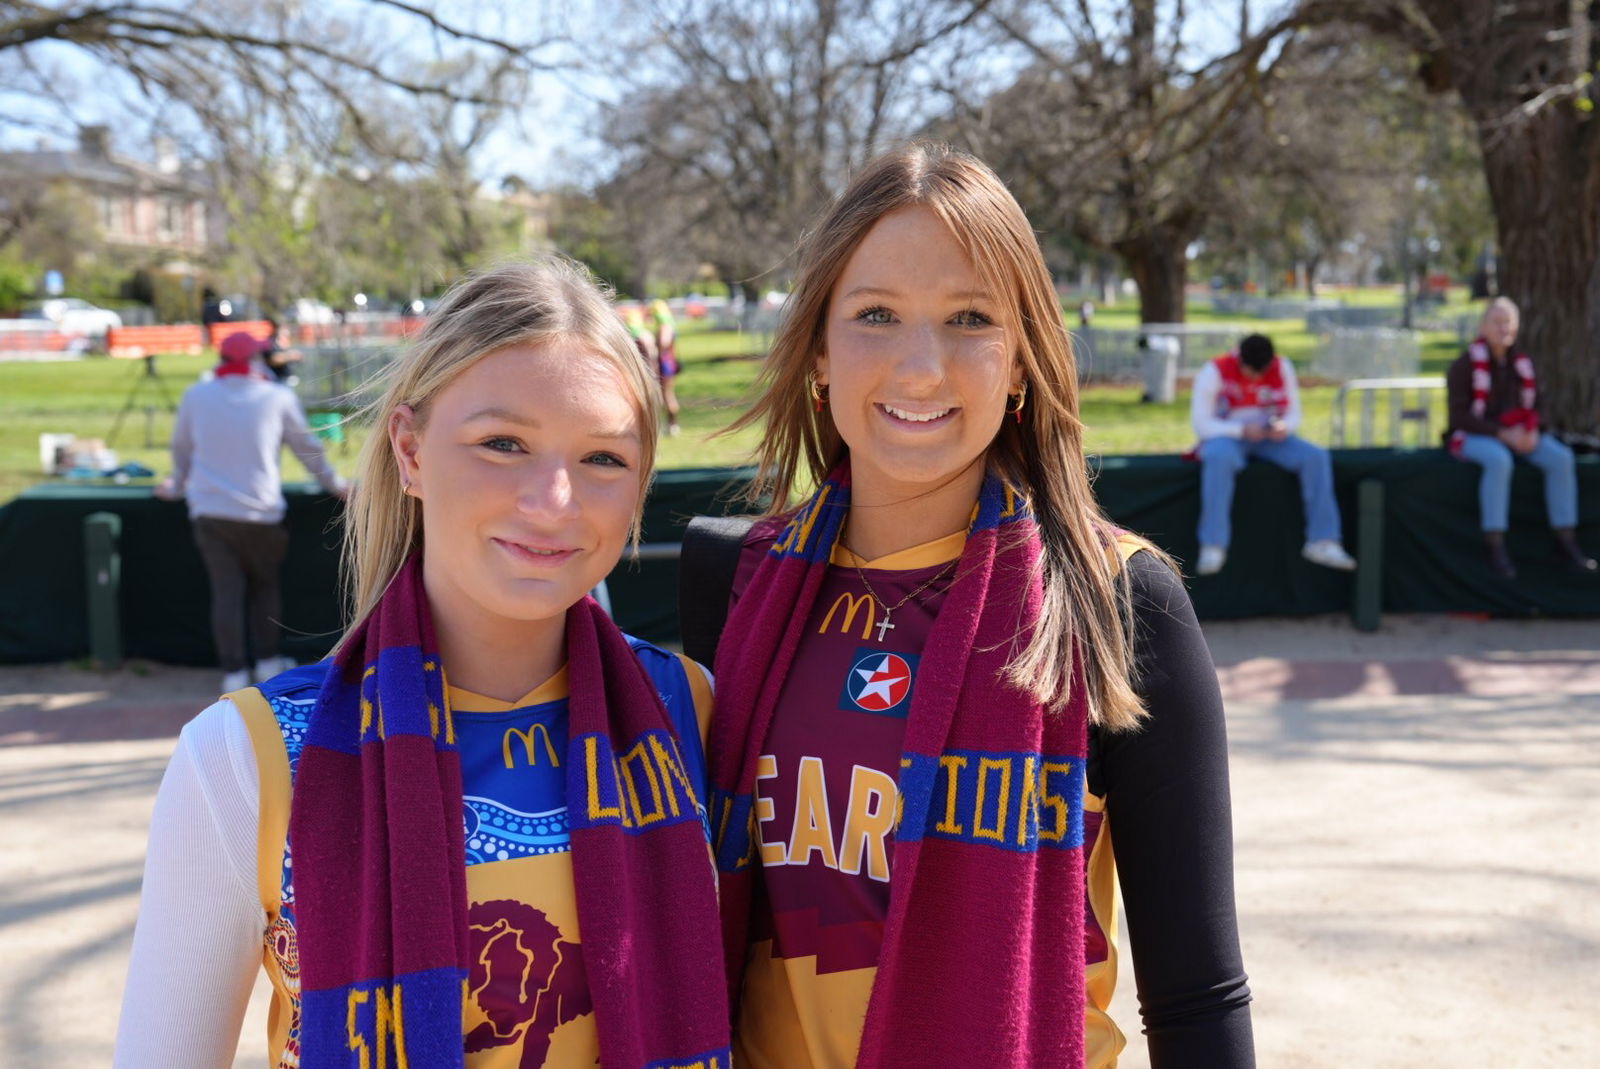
148	379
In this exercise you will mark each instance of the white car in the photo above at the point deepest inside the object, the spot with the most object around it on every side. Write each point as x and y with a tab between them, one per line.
74	315
312	312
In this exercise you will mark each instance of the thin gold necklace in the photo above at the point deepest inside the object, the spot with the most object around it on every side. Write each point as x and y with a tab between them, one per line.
883	625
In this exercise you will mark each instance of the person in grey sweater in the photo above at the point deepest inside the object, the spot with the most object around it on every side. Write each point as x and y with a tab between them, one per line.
230	433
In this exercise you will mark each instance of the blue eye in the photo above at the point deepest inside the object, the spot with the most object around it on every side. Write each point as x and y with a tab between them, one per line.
607	460
971	318
875	316
500	444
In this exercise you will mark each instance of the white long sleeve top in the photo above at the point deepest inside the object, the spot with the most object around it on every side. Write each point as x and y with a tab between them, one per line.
226	444
1209	422
197	943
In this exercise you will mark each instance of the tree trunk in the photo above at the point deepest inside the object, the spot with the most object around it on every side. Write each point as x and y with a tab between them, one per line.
1547	207
1160	268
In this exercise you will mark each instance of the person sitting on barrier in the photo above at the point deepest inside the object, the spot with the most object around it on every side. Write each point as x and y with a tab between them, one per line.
475	835
1494	420
1247	404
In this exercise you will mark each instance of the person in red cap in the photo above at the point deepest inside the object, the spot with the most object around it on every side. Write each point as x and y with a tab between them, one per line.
230	434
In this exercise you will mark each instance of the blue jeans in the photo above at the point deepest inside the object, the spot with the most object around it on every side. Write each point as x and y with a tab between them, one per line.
1494	487
1222	459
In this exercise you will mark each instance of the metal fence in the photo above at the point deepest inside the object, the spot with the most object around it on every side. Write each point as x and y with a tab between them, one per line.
342	377
1411	403
1375	352
1249	304
1114	354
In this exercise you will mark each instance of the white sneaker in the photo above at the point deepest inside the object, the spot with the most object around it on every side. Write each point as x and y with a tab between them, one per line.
1212	558
1330	554
268	667
233	681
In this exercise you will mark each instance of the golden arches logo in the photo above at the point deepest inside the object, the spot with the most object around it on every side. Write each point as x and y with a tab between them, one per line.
853	604
528	750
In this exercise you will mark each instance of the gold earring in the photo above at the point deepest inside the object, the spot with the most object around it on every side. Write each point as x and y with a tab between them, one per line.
819	391
1020	399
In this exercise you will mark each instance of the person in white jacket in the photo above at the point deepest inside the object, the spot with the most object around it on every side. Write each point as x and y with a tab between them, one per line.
1247	404
226	446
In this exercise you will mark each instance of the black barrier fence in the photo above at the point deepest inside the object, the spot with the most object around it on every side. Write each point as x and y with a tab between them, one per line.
1423	523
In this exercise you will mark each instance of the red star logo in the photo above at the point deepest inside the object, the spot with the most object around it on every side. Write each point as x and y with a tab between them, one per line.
880	682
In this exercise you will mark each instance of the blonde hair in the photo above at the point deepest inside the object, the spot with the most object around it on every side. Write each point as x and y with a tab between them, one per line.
519	303
1086	610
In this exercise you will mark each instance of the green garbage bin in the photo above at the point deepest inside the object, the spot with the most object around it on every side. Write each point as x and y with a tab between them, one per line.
329	426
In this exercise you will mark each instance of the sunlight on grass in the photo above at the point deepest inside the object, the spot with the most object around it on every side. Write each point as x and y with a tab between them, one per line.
84	397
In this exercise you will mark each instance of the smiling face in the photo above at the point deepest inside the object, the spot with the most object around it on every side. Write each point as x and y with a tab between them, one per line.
527	466
918	360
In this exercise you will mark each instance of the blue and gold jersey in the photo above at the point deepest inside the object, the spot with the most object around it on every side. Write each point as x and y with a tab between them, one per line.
527	1000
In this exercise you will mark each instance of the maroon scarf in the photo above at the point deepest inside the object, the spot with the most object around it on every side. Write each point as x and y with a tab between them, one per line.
380	865
983	947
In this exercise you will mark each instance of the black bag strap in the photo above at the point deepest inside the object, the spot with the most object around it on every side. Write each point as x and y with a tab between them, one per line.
706	568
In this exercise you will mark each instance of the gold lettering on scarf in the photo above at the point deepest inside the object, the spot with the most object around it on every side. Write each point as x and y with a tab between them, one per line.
799	532
388	1021
952	764
366	705
1053	802
591	768
1003	800
1028	806
672	771
529	753
636	759
855	604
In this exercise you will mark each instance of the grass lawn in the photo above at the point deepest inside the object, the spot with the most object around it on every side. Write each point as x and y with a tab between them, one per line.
83	397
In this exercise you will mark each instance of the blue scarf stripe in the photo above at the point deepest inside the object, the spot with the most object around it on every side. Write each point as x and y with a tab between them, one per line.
645	788
815	528
999	505
351	1026
1023	802
711	1059
415	703
730	829
413	689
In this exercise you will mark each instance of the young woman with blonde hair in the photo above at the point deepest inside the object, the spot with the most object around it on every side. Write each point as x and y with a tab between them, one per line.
934	637
474	835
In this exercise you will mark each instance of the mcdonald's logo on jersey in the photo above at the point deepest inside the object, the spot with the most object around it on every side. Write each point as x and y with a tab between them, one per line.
530	751
863	604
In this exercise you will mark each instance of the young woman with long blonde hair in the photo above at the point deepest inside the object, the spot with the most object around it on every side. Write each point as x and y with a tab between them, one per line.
948	685
473	836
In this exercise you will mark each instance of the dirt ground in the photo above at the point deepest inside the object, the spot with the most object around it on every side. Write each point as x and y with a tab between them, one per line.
1415	811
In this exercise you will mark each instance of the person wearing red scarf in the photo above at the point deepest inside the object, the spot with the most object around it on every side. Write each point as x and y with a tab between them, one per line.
1494	421
1246	404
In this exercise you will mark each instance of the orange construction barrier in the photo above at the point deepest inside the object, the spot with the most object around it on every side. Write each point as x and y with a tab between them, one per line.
258	329
132	343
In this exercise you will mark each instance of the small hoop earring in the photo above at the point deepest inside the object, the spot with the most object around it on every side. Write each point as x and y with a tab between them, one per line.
405	486
819	391
1017	401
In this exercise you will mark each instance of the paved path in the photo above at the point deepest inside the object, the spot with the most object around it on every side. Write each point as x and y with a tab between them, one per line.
1416	813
